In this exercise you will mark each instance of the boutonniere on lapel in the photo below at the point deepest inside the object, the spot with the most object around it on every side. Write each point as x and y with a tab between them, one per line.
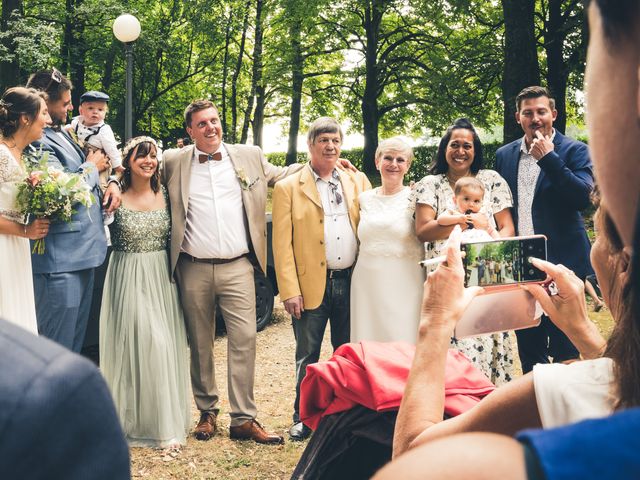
74	136
245	182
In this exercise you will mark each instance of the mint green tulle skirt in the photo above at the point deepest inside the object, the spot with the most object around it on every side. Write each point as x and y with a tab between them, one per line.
143	349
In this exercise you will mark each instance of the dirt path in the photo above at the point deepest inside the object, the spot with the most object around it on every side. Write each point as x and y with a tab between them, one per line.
222	458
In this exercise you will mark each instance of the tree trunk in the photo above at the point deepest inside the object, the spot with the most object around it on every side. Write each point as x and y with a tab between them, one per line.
9	70
557	73
256	75
258	116
233	137
77	51
297	74
370	114
107	77
225	72
67	45
521	68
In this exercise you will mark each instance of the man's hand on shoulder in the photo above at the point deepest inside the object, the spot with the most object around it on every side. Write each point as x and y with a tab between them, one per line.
347	165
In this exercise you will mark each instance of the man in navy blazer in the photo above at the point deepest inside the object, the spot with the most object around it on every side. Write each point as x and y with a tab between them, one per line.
63	275
57	418
551	178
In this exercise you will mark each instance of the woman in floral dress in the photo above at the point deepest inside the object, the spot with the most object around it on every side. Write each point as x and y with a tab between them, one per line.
459	155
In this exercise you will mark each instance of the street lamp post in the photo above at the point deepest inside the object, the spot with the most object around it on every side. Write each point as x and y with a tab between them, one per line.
126	28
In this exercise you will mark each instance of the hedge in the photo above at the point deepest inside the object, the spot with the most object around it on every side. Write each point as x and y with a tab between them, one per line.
419	167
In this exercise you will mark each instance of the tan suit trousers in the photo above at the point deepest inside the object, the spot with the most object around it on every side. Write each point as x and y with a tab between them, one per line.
232	285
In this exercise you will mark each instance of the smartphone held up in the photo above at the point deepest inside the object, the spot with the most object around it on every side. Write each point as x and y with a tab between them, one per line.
504	262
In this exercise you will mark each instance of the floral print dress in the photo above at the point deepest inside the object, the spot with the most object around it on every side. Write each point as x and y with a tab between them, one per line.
492	354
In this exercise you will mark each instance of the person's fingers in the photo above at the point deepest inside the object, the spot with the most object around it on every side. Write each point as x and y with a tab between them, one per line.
454	258
472	292
547	267
541	295
539	135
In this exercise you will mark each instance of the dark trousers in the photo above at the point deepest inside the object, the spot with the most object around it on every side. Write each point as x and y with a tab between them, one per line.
309	329
537	344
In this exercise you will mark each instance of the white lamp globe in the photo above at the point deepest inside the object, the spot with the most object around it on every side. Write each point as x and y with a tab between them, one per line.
126	28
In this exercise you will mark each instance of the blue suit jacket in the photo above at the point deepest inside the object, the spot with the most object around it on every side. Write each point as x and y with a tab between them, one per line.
563	189
82	243
57	418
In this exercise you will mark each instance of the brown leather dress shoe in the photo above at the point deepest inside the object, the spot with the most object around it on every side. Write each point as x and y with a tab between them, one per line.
206	427
252	430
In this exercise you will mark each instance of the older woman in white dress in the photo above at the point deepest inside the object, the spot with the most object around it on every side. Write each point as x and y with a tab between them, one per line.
23	116
386	288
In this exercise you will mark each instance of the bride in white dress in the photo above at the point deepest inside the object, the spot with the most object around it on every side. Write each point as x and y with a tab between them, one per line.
23	116
387	282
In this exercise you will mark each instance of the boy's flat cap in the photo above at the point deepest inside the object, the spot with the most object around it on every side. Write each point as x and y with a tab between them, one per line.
94	96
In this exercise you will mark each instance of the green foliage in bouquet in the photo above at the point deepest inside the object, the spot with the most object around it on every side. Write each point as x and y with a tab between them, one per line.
52	193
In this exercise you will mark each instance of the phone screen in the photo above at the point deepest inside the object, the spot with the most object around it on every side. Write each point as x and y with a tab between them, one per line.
503	262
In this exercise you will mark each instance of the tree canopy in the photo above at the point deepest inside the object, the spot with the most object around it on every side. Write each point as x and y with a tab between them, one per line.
385	66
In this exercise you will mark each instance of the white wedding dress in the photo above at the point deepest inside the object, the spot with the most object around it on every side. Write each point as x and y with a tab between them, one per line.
387	282
16	283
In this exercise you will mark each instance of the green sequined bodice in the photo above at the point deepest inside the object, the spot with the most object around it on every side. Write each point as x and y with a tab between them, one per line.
133	231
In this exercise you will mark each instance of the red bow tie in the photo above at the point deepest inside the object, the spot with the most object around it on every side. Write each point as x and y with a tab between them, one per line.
203	157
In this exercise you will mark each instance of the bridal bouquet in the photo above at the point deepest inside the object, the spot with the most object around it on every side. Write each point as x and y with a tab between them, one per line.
50	192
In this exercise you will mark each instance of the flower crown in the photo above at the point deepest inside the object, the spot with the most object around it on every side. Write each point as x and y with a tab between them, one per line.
134	142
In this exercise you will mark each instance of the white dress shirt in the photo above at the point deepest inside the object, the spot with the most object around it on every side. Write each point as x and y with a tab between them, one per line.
340	241
215	226
528	172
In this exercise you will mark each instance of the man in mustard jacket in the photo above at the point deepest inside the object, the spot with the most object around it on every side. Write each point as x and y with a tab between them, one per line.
315	218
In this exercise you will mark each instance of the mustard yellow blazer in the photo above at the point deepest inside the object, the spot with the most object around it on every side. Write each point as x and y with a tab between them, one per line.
298	232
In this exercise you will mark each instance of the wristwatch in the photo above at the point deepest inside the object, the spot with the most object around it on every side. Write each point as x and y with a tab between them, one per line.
114	179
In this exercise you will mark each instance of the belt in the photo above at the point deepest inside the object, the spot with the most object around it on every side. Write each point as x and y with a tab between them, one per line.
343	273
212	261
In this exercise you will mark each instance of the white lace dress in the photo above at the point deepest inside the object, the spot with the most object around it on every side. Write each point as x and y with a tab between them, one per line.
16	283
387	282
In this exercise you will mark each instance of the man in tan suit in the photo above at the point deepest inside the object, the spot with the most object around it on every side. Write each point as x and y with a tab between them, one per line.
218	194
315	216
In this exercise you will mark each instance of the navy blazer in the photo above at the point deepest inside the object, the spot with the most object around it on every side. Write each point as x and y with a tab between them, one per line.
57	418
563	189
82	243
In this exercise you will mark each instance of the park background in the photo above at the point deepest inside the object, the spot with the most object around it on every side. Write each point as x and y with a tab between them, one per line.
381	67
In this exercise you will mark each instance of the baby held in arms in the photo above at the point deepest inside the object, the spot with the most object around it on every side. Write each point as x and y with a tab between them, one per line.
468	195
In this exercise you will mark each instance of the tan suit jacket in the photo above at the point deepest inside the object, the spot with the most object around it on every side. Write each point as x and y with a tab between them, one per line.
246	159
298	232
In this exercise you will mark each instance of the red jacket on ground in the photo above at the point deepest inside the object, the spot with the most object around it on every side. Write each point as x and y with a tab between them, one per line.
374	374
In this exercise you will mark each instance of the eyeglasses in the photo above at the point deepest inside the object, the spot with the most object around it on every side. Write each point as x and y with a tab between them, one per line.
56	76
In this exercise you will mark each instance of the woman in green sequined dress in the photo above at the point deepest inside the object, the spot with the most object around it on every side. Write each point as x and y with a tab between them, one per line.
143	345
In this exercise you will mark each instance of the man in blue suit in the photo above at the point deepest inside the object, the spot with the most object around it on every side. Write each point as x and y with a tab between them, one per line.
63	275
57	418
551	178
